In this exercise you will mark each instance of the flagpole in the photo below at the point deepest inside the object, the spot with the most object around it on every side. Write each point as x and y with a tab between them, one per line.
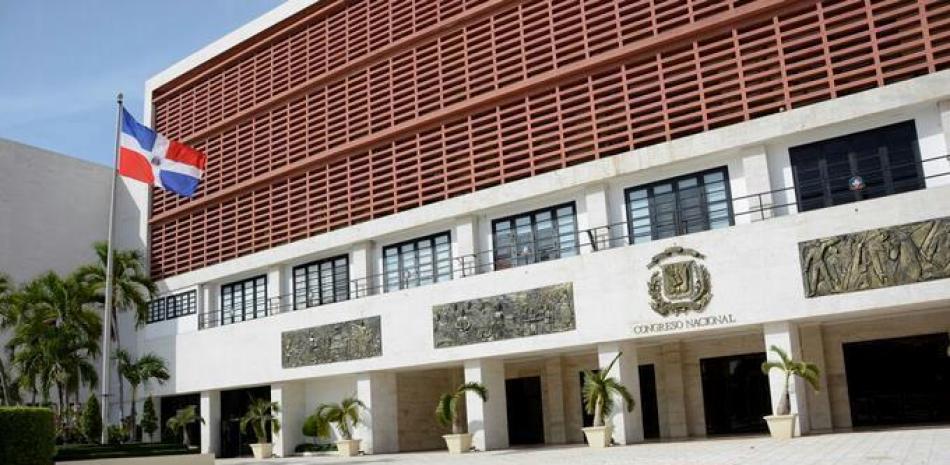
104	378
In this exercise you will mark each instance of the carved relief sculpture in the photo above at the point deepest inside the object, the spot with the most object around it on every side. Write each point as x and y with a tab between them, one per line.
680	283
337	342
519	314
884	257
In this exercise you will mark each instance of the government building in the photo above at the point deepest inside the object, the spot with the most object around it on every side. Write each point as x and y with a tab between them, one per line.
404	195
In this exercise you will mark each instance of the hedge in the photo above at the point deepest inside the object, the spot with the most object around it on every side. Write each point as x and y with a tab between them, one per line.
111	451
26	436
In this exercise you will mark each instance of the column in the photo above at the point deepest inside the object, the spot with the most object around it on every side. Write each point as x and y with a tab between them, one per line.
278	298
784	335
819	402
379	429
464	248
211	427
596	208
935	167
487	421
292	402
671	397
208	312
627	426
756	180
554	424
361	270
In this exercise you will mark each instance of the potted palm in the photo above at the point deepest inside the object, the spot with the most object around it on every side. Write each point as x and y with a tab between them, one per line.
178	424
599	390
259	414
345	416
782	423
446	412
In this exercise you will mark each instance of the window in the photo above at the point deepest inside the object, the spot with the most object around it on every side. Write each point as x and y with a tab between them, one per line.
244	300
418	262
682	205
536	236
859	166
172	306
322	282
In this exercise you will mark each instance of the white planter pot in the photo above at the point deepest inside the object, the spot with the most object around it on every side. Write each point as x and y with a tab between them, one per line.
348	447
598	437
458	443
263	450
781	426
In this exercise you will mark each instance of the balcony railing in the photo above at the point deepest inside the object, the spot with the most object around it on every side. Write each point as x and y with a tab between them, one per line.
758	207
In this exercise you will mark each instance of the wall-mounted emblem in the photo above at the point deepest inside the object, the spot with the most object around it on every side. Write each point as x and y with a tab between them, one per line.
680	283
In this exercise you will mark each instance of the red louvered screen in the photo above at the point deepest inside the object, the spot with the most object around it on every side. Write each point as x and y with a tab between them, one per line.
421	100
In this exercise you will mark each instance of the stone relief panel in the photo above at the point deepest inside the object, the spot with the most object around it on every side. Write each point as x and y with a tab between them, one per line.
519	314
903	254
337	342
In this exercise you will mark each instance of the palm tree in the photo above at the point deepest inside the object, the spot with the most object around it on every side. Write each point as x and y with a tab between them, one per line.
6	320
139	372
807	371
446	412
131	289
180	422
259	414
55	336
599	390
345	415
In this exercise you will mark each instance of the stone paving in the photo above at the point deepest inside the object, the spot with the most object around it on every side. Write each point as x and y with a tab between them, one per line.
911	446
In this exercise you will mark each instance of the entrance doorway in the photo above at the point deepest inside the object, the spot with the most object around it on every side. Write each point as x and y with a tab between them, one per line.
234	404
735	394
899	381
170	405
525	415
648	405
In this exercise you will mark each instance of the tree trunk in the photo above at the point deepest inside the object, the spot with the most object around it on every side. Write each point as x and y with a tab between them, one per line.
598	413
456	423
184	432
133	431
3	384
783	403
115	337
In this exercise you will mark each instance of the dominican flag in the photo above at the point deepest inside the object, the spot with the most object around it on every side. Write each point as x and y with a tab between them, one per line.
148	156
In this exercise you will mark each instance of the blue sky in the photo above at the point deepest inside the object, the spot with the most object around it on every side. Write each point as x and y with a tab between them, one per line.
63	61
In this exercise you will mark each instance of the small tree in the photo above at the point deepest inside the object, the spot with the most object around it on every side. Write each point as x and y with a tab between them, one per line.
90	423
259	415
149	419
178	424
807	371
446	412
345	416
599	390
309	428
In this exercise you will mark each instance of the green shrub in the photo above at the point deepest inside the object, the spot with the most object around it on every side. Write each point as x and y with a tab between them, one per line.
117	434
149	420
314	448
71	452
26	436
310	424
90	423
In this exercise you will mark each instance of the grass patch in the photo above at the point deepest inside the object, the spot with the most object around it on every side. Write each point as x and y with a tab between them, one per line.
70	452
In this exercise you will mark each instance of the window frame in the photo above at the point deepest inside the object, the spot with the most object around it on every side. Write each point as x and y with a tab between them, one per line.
244	308
309	302
187	299
674	182
513	261
403	284
887	174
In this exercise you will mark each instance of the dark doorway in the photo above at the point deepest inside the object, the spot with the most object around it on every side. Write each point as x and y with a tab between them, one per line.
735	394
899	381
170	405
648	404
234	404
525	416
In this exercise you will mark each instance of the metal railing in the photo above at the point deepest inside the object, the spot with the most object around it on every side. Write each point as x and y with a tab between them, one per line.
759	206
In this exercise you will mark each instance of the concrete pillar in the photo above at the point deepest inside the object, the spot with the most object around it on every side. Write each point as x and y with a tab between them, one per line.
671	395
361	270
211	427
464	247
487	421
756	180
278	300
819	402
554	423
627	426
292	401
597	210
784	335
942	147
208	311
380	427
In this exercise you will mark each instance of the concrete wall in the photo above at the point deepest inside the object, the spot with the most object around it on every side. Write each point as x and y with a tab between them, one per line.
418	393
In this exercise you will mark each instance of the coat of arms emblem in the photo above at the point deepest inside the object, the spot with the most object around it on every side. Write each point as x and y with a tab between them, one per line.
680	283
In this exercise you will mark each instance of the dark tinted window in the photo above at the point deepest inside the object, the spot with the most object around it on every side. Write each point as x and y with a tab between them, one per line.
244	300
536	236
858	166
172	306
322	282
418	262
677	206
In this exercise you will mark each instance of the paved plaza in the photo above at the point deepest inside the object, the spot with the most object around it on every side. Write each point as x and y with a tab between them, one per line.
913	446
